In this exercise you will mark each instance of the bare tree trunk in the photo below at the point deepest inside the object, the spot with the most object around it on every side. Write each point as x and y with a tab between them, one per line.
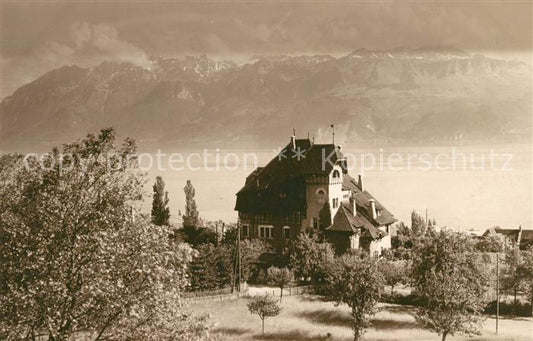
281	295
355	334
392	290
444	336
263	326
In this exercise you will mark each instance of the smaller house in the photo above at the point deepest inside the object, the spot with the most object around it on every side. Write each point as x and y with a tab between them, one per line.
361	222
523	238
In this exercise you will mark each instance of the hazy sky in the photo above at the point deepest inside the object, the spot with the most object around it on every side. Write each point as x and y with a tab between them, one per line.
37	37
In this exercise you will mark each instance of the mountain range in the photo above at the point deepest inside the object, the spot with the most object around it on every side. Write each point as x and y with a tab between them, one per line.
397	96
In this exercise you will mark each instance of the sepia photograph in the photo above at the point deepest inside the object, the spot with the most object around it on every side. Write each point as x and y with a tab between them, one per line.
266	170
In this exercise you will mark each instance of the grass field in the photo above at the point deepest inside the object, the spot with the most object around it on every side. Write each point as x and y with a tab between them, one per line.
306	317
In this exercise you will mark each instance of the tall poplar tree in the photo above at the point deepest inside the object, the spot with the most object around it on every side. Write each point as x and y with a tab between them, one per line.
160	210
191	216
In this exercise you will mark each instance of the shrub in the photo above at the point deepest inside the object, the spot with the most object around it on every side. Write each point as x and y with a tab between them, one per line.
506	308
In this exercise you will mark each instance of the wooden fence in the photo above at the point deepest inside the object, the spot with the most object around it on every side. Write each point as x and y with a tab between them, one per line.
226	294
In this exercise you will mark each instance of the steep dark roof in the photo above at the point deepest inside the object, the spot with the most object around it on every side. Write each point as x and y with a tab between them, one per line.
345	221
509	233
279	187
526	238
363	205
286	175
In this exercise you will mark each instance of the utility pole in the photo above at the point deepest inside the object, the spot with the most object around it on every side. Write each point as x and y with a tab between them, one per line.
497	290
333	127
239	273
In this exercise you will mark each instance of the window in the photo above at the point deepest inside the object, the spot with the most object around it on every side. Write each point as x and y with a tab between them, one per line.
263	219
336	174
315	223
335	203
320	192
245	230
265	231
287	232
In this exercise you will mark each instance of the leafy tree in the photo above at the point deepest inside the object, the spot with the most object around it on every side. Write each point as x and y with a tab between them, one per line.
160	210
214	265
490	244
401	243
526	269
73	259
197	235
191	216
403	229
308	258
263	306
251	250
210	269
230	236
356	281
512	276
394	272
418	224
450	280
280	278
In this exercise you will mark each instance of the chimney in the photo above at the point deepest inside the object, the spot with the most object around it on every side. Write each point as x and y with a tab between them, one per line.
361	183
373	208
132	214
354	205
293	142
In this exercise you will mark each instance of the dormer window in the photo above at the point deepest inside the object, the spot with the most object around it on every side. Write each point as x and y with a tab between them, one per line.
336	174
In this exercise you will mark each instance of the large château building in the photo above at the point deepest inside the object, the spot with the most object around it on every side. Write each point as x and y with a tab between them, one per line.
306	188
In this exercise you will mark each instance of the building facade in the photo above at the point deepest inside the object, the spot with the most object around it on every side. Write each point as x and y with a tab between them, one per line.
307	188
